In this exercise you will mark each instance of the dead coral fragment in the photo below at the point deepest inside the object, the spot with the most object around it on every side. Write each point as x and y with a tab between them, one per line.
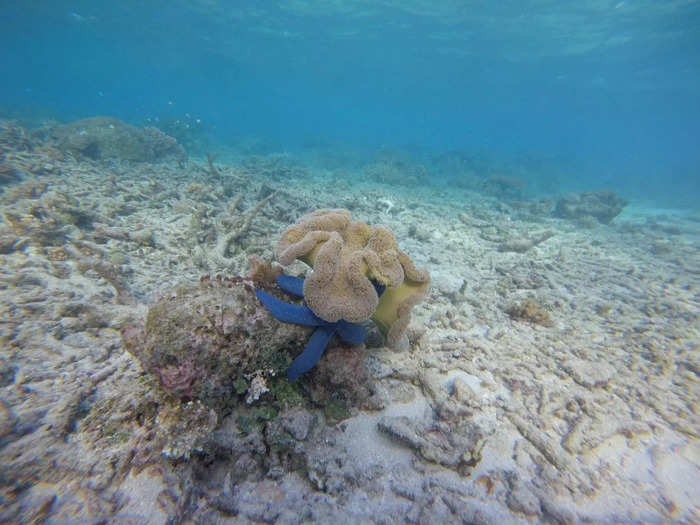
141	237
238	226
347	258
8	173
530	311
184	428
458	448
45	221
522	244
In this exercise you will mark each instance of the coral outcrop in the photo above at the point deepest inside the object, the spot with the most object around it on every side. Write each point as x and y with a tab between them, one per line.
604	205
100	138
348	259
204	342
504	186
395	171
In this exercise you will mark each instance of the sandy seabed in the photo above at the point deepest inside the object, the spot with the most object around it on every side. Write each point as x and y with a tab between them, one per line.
586	412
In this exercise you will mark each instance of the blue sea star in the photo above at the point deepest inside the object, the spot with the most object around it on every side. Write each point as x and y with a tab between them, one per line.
352	333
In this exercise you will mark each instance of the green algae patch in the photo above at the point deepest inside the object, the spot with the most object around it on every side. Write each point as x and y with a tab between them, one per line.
240	385
336	410
286	393
250	419
275	359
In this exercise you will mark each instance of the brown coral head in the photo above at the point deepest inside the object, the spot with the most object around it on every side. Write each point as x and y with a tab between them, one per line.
178	380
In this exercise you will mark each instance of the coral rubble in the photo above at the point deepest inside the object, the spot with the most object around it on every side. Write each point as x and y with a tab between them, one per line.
531	311
481	418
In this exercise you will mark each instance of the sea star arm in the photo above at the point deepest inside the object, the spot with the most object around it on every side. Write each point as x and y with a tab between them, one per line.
352	333
291	284
312	353
289	313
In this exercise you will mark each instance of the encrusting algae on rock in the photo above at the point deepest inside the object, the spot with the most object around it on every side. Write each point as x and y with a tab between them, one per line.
200	340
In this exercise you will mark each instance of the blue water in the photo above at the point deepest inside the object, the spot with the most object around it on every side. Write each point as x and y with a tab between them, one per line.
605	93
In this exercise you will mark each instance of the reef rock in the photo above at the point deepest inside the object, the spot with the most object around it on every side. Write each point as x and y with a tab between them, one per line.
205	342
530	311
604	205
100	138
342	376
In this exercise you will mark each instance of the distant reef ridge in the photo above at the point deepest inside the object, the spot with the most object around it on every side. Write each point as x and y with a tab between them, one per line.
102	138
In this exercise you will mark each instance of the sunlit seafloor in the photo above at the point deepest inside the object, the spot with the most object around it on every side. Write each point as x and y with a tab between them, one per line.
494	211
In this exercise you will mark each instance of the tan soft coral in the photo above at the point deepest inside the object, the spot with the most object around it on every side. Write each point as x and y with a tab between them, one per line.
347	256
